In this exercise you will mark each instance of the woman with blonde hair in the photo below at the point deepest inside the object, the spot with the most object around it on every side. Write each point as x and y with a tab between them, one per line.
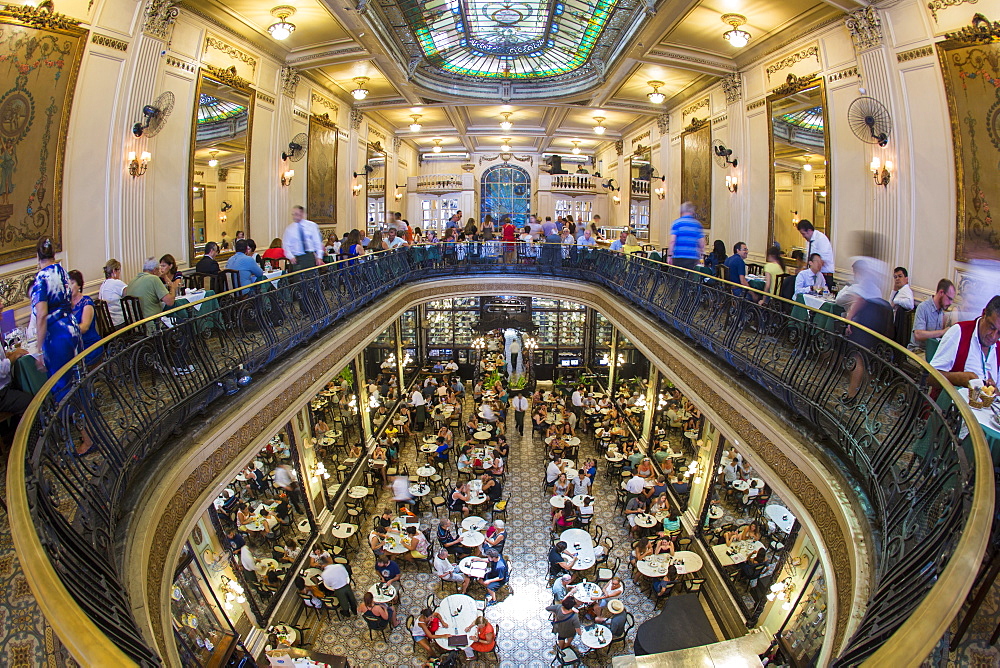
631	244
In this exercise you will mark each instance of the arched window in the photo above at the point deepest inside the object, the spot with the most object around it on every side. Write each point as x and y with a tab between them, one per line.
506	191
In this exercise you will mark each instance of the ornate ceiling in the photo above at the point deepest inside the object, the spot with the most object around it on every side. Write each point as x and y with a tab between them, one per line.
554	64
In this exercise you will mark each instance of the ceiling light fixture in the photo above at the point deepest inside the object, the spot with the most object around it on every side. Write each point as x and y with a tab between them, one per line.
213	162
360	92
415	125
505	124
656	97
282	29
736	37
505	147
437	146
576	147
599	128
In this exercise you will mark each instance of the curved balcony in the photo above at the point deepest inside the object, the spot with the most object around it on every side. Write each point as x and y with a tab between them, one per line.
928	500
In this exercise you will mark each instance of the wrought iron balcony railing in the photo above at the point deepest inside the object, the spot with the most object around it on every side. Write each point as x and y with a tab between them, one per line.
929	502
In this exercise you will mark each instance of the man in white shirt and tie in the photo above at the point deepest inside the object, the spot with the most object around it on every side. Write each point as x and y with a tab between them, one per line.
810	279
902	294
520	405
817	242
302	242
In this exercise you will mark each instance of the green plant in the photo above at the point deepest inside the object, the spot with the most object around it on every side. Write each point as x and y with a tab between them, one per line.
519	382
347	375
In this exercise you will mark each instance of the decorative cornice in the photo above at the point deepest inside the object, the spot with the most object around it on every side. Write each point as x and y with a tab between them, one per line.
695	125
843	74
326	102
326	54
159	17
788	61
264	97
981	31
914	54
696	106
236	54
865	28
757	104
794	84
507	157
732	86
289	77
40	17
938	5
229	77
691	59
110	42
300	113
324	120
720	119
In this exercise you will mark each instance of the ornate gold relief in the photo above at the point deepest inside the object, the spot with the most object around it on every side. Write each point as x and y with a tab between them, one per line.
794	84
231	51
41	16
981	31
110	42
229	77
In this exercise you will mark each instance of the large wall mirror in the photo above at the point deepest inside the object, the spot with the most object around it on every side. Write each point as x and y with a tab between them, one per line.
220	161
800	174
375	160
640	180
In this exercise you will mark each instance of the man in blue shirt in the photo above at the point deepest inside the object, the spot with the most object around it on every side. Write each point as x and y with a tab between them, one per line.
496	575
619	243
737	266
687	238
249	270
387	569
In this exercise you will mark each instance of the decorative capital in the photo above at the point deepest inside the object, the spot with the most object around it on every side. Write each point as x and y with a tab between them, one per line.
289	81
356	118
732	85
159	18
620	146
865	28
397	142
663	123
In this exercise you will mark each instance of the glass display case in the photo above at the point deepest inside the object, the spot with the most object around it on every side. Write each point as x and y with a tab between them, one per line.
202	637
603	331
452	321
802	641
435	212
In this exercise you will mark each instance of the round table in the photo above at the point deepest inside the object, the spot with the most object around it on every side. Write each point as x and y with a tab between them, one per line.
304	526
472	538
581	544
313	575
357	492
342	530
394	543
656	565
420	489
458	611
740	485
572	441
715	512
614	456
586	592
596	636
474	567
473	523
782	518
558	501
428	448
645	520
482	436
383	593
286	634
426	471
476	499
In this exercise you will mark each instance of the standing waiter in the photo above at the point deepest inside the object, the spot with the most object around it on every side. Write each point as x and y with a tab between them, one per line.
302	242
520	405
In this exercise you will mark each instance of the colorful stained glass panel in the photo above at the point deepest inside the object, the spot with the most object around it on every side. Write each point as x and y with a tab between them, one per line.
506	191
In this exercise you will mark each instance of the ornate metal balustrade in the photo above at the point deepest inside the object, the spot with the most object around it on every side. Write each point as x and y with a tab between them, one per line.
929	503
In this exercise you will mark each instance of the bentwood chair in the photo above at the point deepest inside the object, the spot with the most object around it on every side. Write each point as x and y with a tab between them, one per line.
131	309
102	315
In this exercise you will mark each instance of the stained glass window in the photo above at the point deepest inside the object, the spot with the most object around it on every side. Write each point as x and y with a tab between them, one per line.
212	109
509	40
506	191
810	119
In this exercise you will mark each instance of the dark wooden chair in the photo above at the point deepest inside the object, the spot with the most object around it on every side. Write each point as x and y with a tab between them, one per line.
131	309
102	314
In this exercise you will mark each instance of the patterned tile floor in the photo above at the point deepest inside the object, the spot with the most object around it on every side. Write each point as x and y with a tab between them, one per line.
524	636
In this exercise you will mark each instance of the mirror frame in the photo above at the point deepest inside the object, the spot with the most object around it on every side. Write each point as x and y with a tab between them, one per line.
645	152
227	77
371	149
792	86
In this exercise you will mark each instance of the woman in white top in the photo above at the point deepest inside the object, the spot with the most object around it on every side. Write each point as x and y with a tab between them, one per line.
112	290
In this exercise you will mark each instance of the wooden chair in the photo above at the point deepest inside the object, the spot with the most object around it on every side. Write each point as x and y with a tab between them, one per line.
608	571
102	315
694	585
623	638
131	309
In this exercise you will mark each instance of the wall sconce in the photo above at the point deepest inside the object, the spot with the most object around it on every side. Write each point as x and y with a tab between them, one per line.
356	188
138	166
232	593
782	591
398	195
732	183
530	343
881	173
286	177
616	199
660	192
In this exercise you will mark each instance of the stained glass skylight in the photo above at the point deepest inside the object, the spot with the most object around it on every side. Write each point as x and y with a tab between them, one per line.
809	119
212	109
507	40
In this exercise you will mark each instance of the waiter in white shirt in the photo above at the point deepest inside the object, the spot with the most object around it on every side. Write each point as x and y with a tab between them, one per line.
902	294
302	242
520	405
817	242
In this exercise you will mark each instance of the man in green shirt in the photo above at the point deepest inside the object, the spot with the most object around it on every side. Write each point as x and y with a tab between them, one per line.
152	294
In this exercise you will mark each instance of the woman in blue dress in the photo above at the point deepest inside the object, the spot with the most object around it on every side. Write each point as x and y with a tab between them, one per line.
85	313
57	328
